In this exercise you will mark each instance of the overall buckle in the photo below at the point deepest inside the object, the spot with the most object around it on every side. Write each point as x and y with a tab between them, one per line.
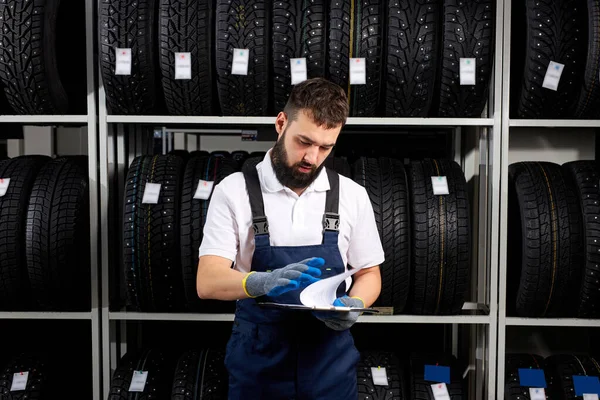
331	222
260	225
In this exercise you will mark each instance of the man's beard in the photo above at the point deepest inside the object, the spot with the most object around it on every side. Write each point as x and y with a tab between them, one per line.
291	176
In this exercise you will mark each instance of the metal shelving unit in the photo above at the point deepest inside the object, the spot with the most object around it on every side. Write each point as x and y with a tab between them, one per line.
88	120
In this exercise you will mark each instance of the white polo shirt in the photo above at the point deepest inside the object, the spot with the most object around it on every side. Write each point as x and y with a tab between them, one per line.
293	220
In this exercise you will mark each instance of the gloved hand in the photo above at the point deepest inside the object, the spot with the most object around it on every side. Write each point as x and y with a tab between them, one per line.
340	321
279	281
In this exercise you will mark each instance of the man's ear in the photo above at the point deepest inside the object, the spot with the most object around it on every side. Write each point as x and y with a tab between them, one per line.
281	123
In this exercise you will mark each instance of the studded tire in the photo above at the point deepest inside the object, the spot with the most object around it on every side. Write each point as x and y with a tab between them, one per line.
468	32
385	182
339	165
440	237
555	30
187	26
420	389
57	236
244	24
561	368
193	217
411	57
151	250
201	374
129	24
356	31
512	389
37	379
397	387
583	176
545	244
299	30
589	99
14	282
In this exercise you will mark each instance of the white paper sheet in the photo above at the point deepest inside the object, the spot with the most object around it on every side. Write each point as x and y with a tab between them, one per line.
323	293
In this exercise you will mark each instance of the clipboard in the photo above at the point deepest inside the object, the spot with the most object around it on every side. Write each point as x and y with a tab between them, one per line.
316	308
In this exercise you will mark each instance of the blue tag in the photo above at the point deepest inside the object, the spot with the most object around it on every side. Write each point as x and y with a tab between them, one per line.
532	377
586	384
436	373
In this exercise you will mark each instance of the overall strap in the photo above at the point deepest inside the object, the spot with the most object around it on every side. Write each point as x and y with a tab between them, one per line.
259	220
331	218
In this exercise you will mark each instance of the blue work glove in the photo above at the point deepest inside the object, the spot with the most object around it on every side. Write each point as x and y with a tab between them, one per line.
279	281
340	321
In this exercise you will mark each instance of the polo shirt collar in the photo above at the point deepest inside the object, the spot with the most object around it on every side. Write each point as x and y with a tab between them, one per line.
272	184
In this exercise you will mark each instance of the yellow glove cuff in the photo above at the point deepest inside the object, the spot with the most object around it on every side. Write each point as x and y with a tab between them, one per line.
356	297
244	285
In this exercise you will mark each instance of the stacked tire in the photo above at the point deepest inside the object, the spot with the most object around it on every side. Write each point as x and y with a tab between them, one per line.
45	246
553	233
412	50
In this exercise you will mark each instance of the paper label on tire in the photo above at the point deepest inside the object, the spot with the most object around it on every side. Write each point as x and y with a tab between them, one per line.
122	61
151	193
19	381
537	394
239	65
4	186
467	71
183	65
439	185
204	190
553	74
138	381
379	376
298	68
440	391
358	71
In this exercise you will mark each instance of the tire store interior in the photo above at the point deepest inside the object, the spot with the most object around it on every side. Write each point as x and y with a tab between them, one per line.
473	128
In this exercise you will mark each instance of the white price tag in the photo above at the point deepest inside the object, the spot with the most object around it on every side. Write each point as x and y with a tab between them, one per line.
122	61
379	376
440	185
19	381
553	74
239	66
440	391
4	186
204	190
138	381
590	396
537	394
183	65
358	71
151	193
298	68
467	71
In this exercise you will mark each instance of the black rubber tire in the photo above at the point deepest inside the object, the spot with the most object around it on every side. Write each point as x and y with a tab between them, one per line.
28	57
468	30
555	30
397	387
512	388
385	182
151	248
339	165
125	25
545	247
588	105
240	95
299	30
160	369
187	26
420	389
193	217
220	153
441	239
199	153
584	176
37	381
411	57
201	374
260	154
356	31
57	236
14	282
559	372
239	156
183	154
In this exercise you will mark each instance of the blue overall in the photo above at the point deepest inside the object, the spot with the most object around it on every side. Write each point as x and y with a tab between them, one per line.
289	354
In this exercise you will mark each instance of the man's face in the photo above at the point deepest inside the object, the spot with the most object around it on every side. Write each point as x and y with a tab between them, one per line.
301	148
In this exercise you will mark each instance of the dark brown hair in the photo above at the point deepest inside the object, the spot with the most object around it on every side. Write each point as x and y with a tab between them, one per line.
324	101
